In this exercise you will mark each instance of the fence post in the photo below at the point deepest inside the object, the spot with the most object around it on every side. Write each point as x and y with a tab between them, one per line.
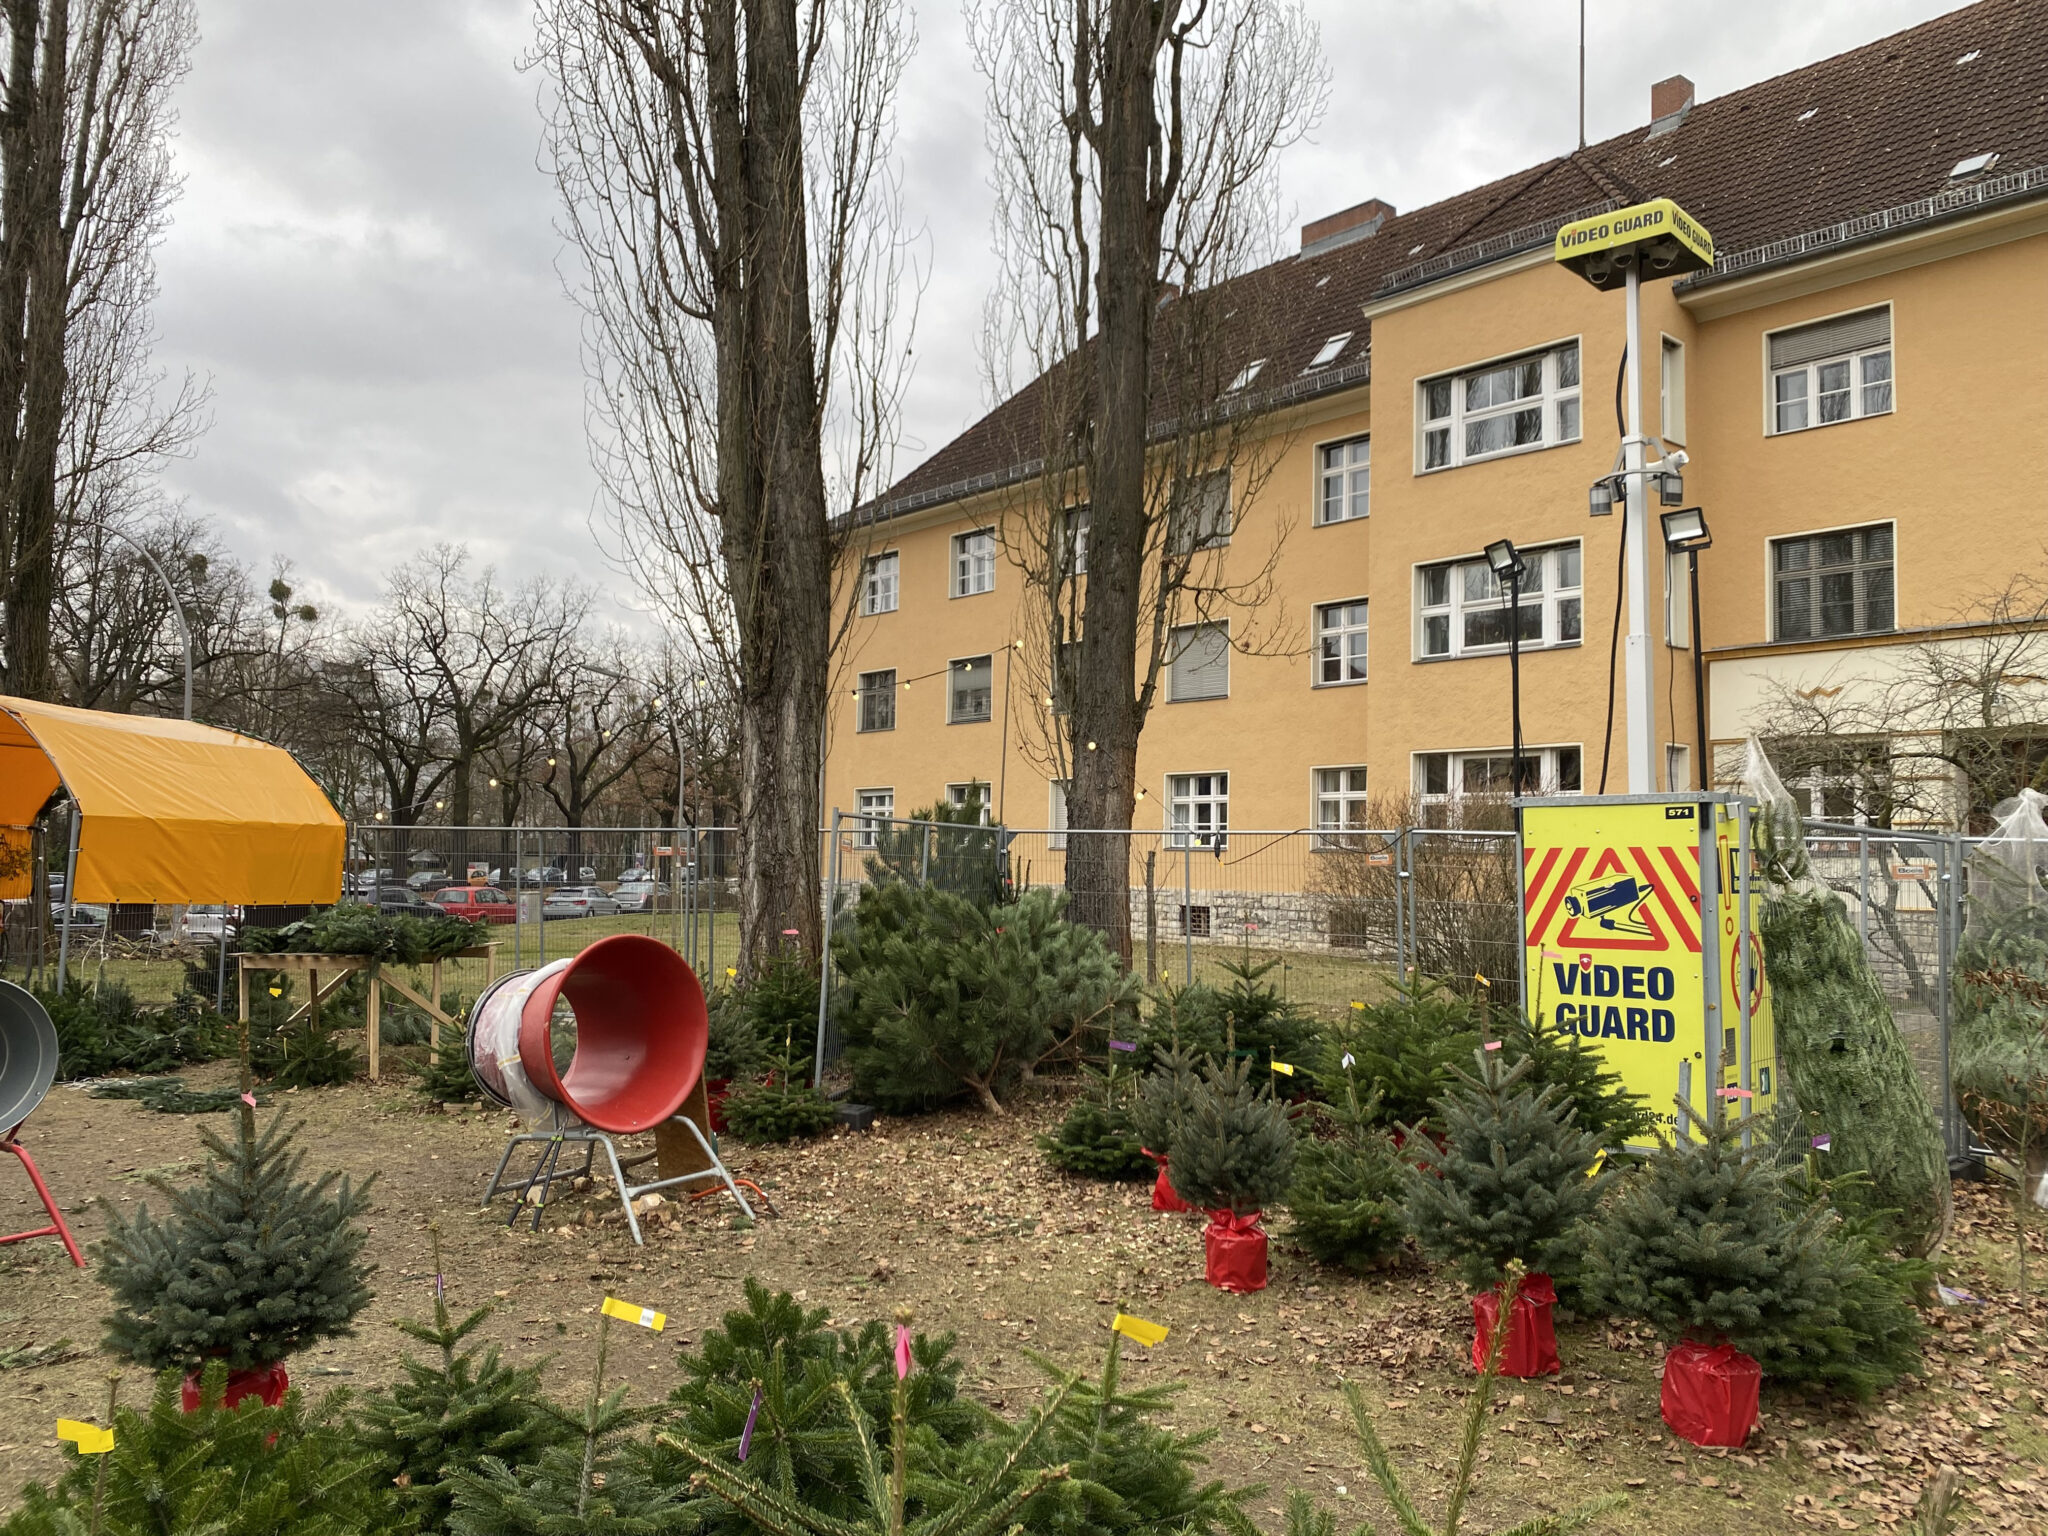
1151	921
825	955
1187	906
1403	928
1863	889
518	907
1950	930
70	900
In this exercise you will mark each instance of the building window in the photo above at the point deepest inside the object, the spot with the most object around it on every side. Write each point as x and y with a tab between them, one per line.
1198	810
1834	583
878	701
974	562
1347	481
973	793
1329	351
1056	815
1078	519
1835	370
879	584
1245	375
1526	402
1340	642
1463	608
1443	778
1340	807
877	806
1202	519
971	696
1672	394
1198	662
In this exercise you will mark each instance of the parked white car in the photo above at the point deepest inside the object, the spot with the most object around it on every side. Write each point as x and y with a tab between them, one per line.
578	901
202	924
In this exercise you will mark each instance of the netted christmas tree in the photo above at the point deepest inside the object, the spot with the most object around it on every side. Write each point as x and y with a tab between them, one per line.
1712	1240
449	1414
1845	1063
1509	1181
1346	1200
1234	1149
252	1264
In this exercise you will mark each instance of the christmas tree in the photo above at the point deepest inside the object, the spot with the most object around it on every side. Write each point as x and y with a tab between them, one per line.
252	1264
1346	1199
1711	1240
1600	1103
1407	1049
1096	1139
446	1078
448	1415
1234	1149
1510	1180
1164	1099
250	1470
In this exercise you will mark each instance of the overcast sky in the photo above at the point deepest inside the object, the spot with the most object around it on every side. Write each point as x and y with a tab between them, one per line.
363	263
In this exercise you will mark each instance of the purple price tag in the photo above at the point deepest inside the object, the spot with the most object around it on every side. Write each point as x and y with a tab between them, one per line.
1122	1045
1823	1142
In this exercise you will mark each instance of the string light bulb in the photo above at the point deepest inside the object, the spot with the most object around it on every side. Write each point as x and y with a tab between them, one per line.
1091	746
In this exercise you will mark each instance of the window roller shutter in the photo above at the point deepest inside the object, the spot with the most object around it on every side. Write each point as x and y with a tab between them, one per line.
1201	668
1831	338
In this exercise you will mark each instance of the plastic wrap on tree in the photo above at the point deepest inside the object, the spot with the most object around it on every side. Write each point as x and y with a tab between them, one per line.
2001	976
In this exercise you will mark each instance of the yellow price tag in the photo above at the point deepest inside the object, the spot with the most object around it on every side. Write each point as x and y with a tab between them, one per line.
626	1312
1137	1328
92	1440
1284	1066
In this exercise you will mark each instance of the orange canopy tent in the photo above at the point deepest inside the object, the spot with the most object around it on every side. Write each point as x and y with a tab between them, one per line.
170	811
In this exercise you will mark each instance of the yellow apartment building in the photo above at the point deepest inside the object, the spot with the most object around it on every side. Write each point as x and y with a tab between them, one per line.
1860	385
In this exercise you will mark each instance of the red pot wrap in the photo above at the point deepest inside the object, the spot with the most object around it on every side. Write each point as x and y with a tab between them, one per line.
715	1090
1531	1347
1710	1393
265	1381
1237	1252
1164	1196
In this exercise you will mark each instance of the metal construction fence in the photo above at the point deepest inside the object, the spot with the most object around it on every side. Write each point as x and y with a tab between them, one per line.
1346	916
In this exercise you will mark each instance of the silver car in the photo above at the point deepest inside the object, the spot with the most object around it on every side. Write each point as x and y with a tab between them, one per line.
641	895
578	901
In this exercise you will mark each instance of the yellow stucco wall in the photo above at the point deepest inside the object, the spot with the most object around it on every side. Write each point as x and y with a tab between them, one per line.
1952	464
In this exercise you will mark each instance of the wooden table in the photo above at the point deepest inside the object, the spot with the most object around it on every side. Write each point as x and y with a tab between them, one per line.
341	967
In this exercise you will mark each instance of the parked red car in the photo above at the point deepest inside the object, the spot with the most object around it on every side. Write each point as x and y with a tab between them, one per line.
475	902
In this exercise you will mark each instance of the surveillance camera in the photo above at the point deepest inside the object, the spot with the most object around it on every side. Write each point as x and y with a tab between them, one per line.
1677	458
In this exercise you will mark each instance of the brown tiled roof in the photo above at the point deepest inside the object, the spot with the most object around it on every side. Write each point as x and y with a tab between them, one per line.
1847	148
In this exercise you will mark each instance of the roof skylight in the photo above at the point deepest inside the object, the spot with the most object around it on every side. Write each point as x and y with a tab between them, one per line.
1807	115
1414	250
1327	354
1245	375
1970	57
1976	165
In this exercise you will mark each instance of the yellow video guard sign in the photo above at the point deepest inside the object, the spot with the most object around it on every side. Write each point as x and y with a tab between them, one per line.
1614	950
1683	243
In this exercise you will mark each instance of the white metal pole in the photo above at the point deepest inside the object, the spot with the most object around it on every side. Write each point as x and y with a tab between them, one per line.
1639	682
70	899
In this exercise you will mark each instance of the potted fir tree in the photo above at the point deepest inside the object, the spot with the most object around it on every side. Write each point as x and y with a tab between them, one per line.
1509	1182
252	1265
1162	1104
1233	1156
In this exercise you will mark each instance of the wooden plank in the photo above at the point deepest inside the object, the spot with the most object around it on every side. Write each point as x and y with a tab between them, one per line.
323	993
434	1018
432	1011
373	1021
679	1151
301	961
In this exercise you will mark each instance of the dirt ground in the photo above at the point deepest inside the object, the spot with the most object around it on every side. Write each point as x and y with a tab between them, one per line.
957	1217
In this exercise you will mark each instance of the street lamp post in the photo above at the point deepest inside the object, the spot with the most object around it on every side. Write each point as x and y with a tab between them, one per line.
1507	566
1686	529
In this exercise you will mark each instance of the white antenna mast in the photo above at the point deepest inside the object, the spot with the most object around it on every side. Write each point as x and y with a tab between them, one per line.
1582	74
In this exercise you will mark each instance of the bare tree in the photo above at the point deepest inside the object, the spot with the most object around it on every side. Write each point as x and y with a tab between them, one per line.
724	178
85	191
602	723
1134	144
1934	732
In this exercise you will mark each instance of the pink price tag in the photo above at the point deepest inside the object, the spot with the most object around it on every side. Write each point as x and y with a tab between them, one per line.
902	1351
249	1099
1493	1045
1734	1093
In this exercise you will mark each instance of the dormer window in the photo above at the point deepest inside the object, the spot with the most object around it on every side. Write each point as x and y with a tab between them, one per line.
1329	352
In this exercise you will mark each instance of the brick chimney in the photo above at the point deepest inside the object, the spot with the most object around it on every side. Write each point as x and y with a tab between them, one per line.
1337	229
1670	98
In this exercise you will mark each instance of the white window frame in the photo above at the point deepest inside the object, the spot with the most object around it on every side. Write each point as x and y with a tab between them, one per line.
876	808
1246	375
1671	390
1178	641
954	668
1548	760
1198	810
1559	421
956	796
1332	801
1078	521
1557	601
1205	518
1867	396
1772	574
1343	633
870	689
1344	478
1056	791
1330	351
974	562
881	583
